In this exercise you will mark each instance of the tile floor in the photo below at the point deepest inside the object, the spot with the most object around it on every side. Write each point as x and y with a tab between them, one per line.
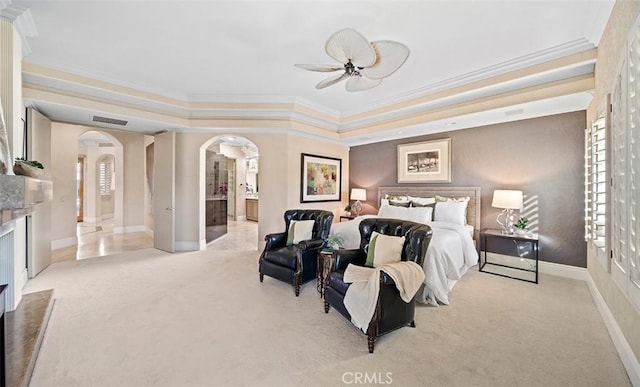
100	241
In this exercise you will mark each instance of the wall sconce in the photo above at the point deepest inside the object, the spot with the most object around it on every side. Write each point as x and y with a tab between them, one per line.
508	200
358	194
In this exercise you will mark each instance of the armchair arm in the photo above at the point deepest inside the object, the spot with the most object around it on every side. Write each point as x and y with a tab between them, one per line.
311	244
275	240
347	256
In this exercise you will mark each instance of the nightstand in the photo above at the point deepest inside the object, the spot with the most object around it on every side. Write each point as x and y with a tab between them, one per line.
504	264
326	264
347	217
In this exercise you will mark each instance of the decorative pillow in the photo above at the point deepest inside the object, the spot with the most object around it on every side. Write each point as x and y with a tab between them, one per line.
419	202
447	199
393	212
397	200
399	204
420	214
384	249
452	212
299	230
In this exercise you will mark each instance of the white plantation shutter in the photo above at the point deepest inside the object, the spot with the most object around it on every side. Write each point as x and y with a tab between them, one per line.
633	165
104	178
625	171
596	183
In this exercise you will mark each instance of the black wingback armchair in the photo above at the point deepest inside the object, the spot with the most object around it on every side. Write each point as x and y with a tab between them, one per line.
295	264
391	311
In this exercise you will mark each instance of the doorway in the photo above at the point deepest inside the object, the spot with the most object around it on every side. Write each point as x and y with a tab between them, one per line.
234	154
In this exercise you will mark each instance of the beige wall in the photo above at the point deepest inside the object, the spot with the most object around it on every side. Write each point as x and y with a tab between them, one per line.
279	181
610	54
129	178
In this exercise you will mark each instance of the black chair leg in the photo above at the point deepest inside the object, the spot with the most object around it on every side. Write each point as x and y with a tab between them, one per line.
261	277
371	342
326	306
413	324
297	289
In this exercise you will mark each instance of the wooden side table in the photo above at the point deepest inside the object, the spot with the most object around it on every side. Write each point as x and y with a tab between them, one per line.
326	263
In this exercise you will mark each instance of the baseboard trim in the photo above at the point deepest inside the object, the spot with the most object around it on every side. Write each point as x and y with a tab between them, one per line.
187	245
128	229
64	242
573	272
148	231
627	356
566	271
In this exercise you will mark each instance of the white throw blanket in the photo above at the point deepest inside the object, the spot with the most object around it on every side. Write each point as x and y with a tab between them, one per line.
362	296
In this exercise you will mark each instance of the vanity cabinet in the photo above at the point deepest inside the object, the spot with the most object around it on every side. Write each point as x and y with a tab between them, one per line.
252	209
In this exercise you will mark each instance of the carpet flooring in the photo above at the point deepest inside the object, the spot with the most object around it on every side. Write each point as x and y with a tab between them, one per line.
149	318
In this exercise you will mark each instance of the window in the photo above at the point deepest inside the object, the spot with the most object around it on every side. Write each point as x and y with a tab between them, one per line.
625	141
596	184
104	178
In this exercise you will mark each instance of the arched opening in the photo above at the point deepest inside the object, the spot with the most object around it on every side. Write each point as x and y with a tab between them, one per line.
99	200
228	188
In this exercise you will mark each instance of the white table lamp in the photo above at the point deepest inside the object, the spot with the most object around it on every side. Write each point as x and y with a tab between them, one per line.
508	200
358	194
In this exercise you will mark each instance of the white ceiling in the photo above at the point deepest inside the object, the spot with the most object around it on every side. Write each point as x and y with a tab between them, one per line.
245	50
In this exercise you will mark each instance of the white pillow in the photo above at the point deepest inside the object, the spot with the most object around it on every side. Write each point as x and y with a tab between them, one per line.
422	201
384	249
463	199
420	214
299	230
393	212
452	212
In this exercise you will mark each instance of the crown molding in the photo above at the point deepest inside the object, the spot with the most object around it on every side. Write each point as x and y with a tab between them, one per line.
21	18
560	51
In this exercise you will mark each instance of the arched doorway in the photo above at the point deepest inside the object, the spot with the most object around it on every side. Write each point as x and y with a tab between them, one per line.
228	186
99	181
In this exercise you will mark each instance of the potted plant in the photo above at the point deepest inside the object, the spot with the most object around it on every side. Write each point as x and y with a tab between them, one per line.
26	167
335	241
347	210
521	225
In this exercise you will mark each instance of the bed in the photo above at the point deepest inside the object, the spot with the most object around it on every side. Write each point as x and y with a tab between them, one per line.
452	250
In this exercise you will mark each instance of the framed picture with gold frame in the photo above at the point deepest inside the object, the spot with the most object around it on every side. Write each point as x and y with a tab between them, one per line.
425	162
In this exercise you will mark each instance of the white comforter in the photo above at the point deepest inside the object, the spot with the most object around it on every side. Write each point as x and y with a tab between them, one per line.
450	254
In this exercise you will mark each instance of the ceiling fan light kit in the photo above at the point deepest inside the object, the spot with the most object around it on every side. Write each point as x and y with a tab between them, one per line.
365	64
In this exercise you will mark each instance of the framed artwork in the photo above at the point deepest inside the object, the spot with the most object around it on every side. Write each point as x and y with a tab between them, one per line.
320	179
425	162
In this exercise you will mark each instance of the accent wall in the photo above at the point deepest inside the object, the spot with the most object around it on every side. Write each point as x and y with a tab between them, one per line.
543	157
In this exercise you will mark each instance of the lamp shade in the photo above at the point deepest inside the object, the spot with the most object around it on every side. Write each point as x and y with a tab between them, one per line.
358	194
509	199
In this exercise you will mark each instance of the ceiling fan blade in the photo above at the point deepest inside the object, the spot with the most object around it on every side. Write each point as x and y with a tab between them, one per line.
350	44
331	81
391	55
324	68
362	83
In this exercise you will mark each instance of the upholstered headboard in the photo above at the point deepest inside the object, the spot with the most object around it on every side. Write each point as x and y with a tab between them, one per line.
473	209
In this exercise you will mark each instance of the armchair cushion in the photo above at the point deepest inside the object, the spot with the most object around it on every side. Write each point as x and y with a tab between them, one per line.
284	256
384	249
299	230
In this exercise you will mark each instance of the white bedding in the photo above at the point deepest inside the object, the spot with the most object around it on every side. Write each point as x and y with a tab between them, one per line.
450	254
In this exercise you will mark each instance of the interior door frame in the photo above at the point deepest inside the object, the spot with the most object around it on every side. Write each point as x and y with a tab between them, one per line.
164	191
80	190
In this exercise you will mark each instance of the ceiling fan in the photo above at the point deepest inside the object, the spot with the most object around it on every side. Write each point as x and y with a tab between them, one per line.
364	64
